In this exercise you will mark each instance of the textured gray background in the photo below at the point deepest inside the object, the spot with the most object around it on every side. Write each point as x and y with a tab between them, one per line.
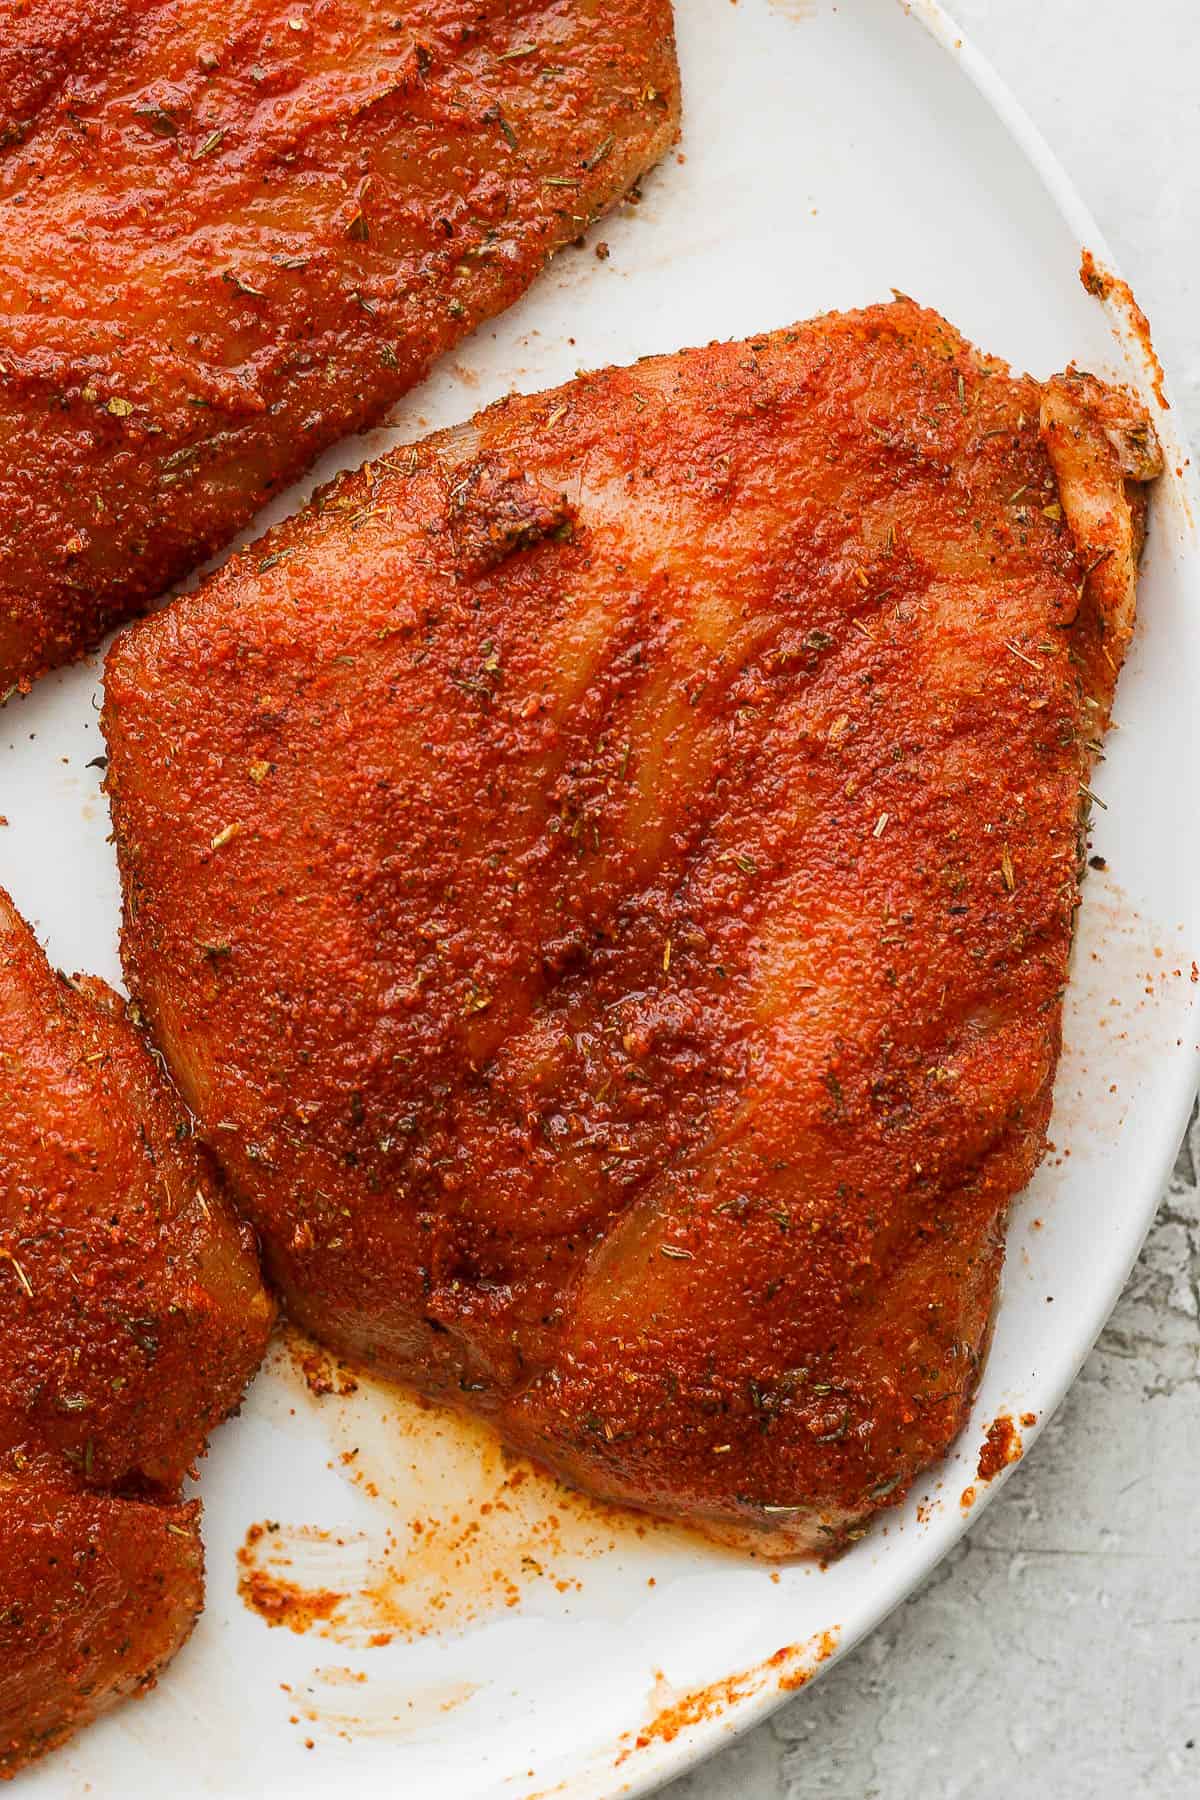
1057	1651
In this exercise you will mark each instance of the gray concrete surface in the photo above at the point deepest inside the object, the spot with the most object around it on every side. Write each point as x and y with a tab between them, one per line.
1057	1652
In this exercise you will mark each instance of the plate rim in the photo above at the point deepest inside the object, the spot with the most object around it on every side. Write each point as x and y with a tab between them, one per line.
697	1743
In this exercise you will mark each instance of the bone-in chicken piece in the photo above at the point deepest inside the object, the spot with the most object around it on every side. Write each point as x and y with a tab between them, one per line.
231	235
604	878
131	1317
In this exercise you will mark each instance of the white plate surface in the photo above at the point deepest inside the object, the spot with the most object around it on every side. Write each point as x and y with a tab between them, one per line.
830	154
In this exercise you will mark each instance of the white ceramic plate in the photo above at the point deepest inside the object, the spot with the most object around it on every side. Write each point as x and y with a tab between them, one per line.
831	153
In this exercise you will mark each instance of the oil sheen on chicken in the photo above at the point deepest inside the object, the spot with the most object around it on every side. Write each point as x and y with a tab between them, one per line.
131	1317
604	879
231	234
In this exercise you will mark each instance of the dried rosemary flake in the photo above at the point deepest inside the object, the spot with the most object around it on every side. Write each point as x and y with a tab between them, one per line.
8	1257
158	119
1006	870
210	143
1091	570
243	287
521	50
276	556
676	1252
358	230
598	154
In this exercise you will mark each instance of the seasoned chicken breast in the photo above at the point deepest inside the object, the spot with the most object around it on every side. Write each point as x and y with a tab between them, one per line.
604	878
131	1317
96	1593
231	235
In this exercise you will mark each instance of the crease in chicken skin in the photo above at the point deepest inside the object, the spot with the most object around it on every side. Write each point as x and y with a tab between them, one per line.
232	236
642	829
132	1315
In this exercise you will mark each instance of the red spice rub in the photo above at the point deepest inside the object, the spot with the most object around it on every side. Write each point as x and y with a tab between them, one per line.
644	828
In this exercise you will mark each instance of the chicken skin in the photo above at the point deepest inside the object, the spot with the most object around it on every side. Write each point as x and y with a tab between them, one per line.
133	1315
232	235
603	879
